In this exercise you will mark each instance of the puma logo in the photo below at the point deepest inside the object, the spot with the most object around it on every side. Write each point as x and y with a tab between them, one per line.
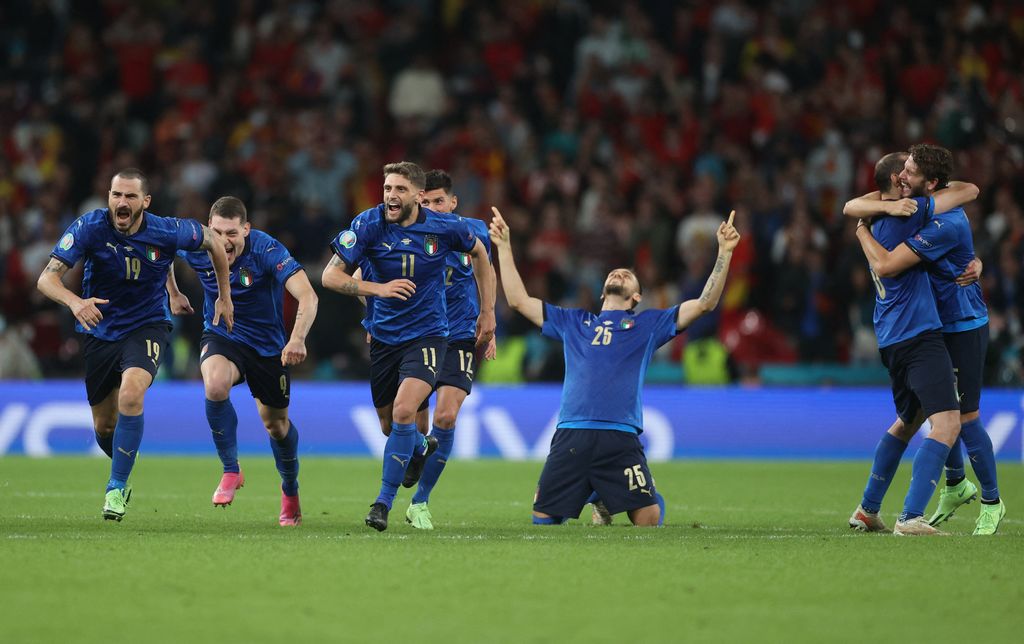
403	463
647	492
386	245
433	371
112	247
129	454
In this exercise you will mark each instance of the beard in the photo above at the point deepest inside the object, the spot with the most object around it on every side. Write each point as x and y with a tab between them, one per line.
133	217
403	213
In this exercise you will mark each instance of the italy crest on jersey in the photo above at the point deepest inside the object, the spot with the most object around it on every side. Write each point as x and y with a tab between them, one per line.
626	323
245	277
430	244
464	259
152	254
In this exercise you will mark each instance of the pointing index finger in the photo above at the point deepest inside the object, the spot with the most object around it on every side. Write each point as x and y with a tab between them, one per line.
732	215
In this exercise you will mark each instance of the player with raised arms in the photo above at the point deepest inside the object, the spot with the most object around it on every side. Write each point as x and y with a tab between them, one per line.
406	248
123	311
254	351
596	446
945	246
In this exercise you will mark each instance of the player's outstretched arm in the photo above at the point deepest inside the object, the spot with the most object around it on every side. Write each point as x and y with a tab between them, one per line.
486	286
515	291
883	263
178	300
51	284
690	310
956	194
337	278
298	285
872	204
223	307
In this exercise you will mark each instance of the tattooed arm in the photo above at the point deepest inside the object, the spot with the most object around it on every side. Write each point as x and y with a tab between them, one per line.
51	284
690	310
337	278
298	285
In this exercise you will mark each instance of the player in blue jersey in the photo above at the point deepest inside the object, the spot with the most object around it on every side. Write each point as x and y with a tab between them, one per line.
911	346
123	311
255	350
944	244
455	379
406	247
596	446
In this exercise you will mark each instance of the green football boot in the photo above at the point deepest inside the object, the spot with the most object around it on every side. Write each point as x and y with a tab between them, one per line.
419	516
115	504
951	498
988	520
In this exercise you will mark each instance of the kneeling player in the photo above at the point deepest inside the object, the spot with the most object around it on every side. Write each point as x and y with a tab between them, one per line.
255	350
596	446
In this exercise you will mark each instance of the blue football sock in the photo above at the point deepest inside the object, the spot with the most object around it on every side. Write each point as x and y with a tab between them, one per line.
888	453
397	452
983	458
924	477
661	506
223	420
286	457
127	438
421	445
106	444
548	520
955	463
435	463
593	498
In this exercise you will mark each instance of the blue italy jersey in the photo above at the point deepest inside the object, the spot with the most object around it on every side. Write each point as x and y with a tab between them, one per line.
946	245
606	357
416	252
460	287
257	292
130	271
904	304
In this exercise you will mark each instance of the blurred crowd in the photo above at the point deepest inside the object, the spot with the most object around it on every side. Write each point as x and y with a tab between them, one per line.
615	133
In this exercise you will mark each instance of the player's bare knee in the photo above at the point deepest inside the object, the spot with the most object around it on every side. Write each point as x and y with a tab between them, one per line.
945	427
277	428
646	517
217	390
404	414
129	400
445	417
104	427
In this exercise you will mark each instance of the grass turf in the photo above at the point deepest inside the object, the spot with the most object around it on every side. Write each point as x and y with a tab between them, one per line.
752	550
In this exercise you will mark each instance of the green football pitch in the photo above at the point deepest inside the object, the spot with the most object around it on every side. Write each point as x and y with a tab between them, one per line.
753	551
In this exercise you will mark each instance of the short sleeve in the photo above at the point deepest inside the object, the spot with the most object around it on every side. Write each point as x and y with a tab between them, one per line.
278	262
925	210
188	234
934	240
463	239
665	325
483	235
72	245
351	244
557	320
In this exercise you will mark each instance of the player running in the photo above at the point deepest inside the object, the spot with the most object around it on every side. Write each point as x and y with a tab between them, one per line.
123	311
255	350
910	342
596	446
945	245
405	247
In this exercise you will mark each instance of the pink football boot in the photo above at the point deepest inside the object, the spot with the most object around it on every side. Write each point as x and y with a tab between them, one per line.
225	492
291	513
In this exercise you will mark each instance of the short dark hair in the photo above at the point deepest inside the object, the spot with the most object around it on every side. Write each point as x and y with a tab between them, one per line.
135	173
887	166
229	208
934	162
409	170
438	179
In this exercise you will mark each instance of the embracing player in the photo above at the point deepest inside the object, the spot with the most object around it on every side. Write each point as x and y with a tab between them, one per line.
254	350
123	311
596	446
405	248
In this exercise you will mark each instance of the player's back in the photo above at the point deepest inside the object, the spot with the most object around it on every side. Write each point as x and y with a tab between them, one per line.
946	243
606	358
904	304
257	291
128	270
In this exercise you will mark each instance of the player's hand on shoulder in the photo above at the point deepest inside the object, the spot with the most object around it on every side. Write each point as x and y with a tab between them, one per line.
728	236
900	207
180	305
498	229
293	353
87	312
224	309
401	289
